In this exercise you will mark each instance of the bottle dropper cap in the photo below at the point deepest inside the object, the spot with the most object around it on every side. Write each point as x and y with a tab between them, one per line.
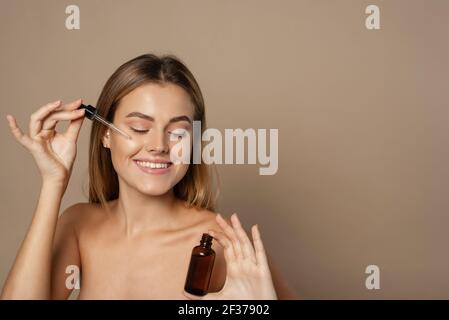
206	240
90	111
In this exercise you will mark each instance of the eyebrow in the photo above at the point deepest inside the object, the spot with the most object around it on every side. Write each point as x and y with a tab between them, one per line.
150	118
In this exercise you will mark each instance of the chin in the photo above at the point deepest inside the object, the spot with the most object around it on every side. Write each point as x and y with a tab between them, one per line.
154	190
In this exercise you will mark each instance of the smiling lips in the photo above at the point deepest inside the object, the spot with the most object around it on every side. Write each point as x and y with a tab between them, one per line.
153	166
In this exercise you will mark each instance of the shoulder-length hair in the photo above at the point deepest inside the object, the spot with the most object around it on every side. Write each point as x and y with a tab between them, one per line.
195	188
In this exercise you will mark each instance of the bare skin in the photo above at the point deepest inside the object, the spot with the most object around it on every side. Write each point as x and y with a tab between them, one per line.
150	265
141	248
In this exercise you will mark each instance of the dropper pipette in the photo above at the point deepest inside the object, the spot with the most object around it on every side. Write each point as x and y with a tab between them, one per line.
91	113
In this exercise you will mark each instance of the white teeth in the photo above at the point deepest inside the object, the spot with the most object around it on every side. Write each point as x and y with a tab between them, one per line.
152	165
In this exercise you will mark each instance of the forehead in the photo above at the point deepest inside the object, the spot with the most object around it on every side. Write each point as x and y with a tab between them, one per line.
157	100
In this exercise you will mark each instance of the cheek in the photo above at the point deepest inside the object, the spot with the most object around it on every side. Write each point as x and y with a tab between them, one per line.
124	145
178	173
181	151
122	149
180	170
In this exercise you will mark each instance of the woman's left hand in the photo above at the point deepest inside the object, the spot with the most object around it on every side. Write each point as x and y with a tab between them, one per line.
248	275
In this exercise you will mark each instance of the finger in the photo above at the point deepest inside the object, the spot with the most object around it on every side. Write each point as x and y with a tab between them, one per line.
226	243
72	105
51	121
74	128
229	231
247	247
192	296
37	117
258	245
23	139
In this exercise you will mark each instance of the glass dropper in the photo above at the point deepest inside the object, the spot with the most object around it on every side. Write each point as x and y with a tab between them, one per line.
91	113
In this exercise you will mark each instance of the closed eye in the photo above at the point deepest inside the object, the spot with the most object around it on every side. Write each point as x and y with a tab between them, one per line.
139	131
178	134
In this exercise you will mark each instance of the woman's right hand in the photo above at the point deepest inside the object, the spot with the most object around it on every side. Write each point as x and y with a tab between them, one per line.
53	152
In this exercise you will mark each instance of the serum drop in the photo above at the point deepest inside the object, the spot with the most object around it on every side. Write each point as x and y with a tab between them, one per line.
200	267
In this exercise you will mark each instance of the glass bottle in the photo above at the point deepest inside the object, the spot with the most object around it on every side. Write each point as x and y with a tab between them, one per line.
200	267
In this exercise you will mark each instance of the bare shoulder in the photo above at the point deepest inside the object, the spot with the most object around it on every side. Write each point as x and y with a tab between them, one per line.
81	214
203	219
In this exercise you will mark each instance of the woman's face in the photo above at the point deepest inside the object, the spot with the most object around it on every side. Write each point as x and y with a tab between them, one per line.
156	117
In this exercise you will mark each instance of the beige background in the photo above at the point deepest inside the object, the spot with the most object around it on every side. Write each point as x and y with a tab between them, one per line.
362	117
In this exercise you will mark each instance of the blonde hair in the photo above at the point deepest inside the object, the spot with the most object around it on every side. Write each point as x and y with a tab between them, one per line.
195	188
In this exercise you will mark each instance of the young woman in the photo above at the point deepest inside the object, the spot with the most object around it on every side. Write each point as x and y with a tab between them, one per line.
134	238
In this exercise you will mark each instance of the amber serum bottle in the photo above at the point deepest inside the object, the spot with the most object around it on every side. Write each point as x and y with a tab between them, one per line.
200	267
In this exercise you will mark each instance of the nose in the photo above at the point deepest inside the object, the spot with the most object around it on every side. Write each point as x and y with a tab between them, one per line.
157	142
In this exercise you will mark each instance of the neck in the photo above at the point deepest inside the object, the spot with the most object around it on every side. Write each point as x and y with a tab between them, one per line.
141	212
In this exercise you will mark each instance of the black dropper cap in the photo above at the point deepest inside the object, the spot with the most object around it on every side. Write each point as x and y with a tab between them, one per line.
206	240
90	111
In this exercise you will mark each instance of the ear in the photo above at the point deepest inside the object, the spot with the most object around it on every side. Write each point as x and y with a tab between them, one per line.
106	140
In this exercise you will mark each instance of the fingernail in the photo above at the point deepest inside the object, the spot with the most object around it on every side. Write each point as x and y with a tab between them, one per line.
56	102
